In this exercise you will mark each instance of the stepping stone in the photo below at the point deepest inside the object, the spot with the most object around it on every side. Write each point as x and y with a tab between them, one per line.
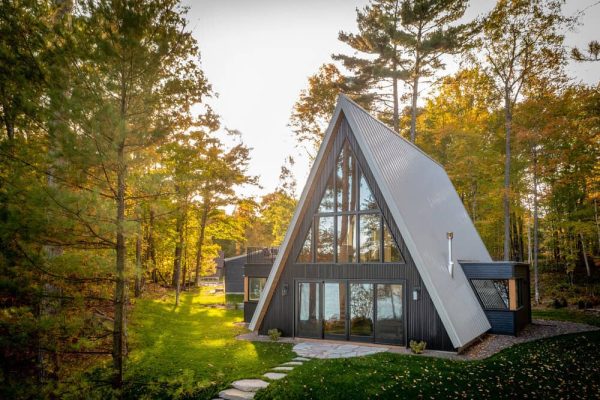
283	368
236	394
292	363
274	375
301	359
249	385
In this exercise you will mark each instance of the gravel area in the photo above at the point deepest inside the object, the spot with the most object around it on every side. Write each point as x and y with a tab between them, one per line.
491	344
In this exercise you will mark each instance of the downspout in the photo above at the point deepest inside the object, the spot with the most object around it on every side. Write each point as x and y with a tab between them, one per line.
450	235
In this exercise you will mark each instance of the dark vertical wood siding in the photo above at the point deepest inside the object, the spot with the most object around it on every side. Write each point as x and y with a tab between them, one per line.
234	275
422	320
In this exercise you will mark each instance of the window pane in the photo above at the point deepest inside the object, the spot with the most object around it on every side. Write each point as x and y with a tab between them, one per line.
305	255
370	237
324	239
361	309
326	204
367	200
309	315
493	293
334	313
346	239
346	171
255	288
391	253
389	312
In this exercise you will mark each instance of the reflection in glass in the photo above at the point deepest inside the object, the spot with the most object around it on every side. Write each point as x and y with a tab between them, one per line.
334	313
309	315
324	239
255	288
305	255
370	237
391	253
326	204
361	309
367	200
389	312
346	171
346	239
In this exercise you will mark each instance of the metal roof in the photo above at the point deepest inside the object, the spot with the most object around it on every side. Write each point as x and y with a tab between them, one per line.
425	206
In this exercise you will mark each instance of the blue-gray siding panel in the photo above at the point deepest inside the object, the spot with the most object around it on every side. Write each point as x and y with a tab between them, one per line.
249	308
234	275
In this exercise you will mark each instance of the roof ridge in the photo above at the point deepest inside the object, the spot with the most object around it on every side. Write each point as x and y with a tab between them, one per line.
346	97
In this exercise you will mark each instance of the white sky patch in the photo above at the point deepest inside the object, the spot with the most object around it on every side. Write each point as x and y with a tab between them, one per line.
258	55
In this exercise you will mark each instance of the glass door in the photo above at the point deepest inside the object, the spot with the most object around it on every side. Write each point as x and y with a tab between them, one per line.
309	321
361	311
334	310
389	321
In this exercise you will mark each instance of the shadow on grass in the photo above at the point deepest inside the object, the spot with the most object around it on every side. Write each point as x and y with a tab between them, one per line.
196	342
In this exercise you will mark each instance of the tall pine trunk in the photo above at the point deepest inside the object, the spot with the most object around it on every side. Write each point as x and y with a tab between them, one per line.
506	199
178	253
395	94
119	300
138	262
203	219
413	108
536	287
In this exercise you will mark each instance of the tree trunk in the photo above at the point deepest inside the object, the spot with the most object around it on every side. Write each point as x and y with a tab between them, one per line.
203	219
178	252
585	259
413	109
119	300
536	286
597	223
151	250
395	94
506	199
138	262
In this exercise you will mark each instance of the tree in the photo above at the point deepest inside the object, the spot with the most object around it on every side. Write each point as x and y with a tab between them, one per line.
377	42
520	39
593	52
426	35
134	75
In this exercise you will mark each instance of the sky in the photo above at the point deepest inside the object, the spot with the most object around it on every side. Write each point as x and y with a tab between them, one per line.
258	55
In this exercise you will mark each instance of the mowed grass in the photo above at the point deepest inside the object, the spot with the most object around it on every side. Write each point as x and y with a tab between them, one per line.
194	343
567	314
566	367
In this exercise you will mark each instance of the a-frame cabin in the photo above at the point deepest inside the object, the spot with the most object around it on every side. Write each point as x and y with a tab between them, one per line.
366	256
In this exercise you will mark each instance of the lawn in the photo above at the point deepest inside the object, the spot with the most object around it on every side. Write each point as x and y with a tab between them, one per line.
567	314
557	368
191	351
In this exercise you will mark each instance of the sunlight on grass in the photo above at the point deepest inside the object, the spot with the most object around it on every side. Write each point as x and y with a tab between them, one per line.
166	341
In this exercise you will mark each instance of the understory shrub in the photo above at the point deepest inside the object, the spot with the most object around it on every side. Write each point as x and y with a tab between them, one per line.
417	347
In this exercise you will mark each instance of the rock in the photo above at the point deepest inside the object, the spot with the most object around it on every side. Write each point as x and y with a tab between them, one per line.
274	375
283	368
249	385
292	363
236	394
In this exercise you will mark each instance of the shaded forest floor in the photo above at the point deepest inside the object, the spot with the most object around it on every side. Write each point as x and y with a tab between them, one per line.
191	351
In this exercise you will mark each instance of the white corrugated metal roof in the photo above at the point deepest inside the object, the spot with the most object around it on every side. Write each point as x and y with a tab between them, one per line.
425	206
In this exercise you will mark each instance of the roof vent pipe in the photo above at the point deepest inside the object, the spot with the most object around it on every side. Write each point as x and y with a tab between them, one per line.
450	235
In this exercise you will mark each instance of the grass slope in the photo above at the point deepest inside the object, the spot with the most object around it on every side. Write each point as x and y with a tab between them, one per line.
194	346
565	367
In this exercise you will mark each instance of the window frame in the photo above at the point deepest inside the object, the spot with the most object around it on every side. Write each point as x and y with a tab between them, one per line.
250	278
357	175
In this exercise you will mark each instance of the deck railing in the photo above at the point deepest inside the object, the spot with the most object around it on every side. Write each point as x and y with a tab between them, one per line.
261	255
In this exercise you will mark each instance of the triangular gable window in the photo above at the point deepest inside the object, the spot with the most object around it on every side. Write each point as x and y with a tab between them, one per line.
348	226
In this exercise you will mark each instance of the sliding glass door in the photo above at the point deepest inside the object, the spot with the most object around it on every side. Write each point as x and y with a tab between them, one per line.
309	310
350	310
334	310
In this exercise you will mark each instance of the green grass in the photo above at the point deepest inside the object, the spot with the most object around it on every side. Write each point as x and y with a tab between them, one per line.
192	349
567	314
234	298
561	367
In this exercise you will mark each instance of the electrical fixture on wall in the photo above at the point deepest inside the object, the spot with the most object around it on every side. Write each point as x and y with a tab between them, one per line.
415	293
284	289
450	235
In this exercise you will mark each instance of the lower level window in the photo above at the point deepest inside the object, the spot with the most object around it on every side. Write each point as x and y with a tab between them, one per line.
255	288
493	293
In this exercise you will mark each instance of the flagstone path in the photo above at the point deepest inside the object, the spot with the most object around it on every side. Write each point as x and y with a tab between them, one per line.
245	389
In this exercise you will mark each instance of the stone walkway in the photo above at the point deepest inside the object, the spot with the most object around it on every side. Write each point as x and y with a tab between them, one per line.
245	389
331	350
